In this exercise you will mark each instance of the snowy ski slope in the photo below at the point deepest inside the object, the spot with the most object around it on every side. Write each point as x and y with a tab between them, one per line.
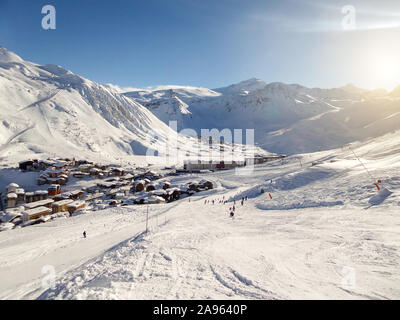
320	236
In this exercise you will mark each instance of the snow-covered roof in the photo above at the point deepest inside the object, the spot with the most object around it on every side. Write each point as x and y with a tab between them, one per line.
60	164
12	185
12	195
39	203
158	192
154	199
41	192
9	216
76	204
75	192
62	202
85	166
37	210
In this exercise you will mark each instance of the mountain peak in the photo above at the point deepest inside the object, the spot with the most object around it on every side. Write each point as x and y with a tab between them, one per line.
249	85
351	88
7	56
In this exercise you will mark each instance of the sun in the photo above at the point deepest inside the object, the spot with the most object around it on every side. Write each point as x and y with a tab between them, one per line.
386	69
386	72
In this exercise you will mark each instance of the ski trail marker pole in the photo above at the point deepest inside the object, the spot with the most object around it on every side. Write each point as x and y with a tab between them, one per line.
147	218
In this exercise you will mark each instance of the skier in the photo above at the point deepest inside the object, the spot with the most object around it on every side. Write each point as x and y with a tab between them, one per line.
84	234
232	214
233	208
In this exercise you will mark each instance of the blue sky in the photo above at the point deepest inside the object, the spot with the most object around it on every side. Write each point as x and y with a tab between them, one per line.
210	43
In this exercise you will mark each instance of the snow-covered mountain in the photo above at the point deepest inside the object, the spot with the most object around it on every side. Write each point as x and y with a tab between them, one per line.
287	118
49	110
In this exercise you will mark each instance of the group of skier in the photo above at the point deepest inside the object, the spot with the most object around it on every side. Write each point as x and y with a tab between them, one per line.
218	200
224	201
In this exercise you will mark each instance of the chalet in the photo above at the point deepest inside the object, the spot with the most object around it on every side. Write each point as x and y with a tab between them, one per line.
174	194
63	179
62	165
80	175
150	187
12	187
40	195
61	196
94	171
57	173
20	195
11	215
193	186
42	203
46	163
166	185
74	206
35	213
54	190
61	206
161	193
29	197
102	167
26	165
76	194
85	167
139	185
108	184
94	196
82	162
117	172
154	200
206	184
11	200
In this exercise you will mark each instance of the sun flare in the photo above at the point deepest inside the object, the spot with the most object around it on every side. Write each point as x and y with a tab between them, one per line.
385	72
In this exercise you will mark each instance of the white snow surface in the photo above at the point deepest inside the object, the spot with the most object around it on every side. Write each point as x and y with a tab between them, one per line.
319	237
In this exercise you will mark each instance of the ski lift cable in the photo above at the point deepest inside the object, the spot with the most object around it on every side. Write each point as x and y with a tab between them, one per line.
366	169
